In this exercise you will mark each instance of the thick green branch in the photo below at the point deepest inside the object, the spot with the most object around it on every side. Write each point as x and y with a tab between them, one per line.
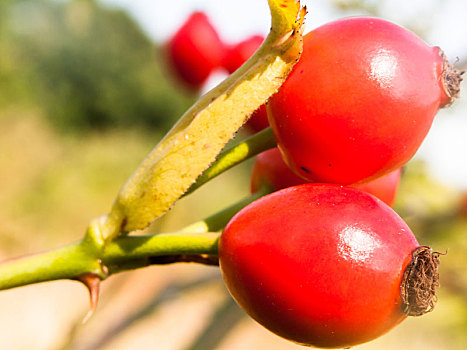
67	262
123	253
194	243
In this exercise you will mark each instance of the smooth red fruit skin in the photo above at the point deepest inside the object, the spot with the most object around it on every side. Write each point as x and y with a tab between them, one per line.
384	187
239	53
318	264
359	102
195	50
258	120
270	170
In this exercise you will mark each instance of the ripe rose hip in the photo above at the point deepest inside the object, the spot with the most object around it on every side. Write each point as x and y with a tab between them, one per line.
360	101
236	55
195	51
258	120
384	187
270	170
326	265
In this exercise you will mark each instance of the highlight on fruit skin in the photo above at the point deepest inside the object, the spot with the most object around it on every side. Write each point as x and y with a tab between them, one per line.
326	265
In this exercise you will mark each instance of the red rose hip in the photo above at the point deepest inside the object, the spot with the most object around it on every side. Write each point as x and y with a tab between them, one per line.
360	101
271	171
195	51
384	187
325	265
258	120
237	54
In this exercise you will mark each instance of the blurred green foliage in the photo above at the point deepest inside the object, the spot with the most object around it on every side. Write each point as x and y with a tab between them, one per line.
84	65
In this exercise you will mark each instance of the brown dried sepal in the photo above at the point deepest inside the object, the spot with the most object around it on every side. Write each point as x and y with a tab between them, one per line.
420	281
451	79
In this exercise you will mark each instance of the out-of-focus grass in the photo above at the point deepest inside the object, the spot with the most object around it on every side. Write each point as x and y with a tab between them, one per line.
51	186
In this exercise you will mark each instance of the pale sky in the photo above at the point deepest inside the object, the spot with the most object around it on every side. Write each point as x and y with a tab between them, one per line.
236	19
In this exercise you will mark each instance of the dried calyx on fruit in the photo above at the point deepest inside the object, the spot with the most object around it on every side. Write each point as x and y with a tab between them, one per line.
451	79
420	281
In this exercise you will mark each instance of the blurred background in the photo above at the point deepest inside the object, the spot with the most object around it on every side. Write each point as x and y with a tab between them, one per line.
85	93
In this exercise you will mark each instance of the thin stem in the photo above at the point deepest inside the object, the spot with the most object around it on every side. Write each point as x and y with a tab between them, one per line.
218	220
259	142
136	247
133	252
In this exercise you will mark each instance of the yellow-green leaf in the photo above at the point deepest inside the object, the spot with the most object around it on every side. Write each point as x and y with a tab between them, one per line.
201	133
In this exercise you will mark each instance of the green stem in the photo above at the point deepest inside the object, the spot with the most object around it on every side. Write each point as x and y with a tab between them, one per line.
76	259
194	243
259	142
67	262
218	220
132	252
64	263
137	247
